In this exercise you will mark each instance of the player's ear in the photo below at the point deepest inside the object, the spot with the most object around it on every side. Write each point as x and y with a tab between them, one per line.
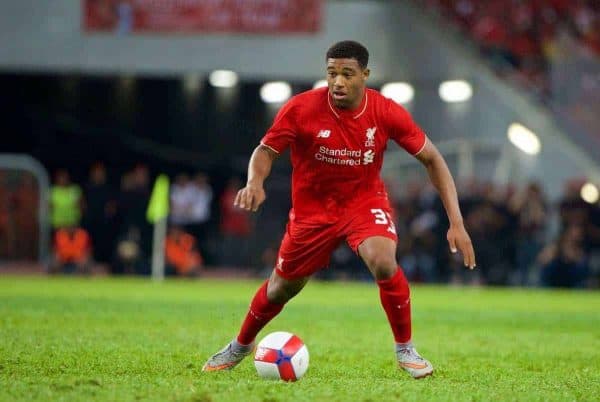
366	73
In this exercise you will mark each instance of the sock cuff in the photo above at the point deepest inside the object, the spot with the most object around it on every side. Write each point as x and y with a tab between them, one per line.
403	345
390	283
237	345
267	306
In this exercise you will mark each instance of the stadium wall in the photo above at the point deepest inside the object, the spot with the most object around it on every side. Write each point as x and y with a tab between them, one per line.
47	35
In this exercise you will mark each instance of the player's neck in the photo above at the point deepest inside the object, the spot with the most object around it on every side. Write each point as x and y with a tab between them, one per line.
358	103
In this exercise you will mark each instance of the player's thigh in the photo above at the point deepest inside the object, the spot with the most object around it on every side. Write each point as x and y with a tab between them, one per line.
371	220
379	255
305	250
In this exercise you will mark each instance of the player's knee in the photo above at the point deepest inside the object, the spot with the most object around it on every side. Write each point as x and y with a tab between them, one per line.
385	271
381	265
280	291
276	293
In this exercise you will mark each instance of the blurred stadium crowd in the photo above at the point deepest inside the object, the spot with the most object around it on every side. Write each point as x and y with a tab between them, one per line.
117	232
520	237
520	36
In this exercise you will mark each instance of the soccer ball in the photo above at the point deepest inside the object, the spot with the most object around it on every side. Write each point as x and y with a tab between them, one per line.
281	356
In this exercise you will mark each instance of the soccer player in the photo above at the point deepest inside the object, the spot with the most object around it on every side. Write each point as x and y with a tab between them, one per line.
337	136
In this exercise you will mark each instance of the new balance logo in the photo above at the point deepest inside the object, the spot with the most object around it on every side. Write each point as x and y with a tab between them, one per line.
324	134
368	157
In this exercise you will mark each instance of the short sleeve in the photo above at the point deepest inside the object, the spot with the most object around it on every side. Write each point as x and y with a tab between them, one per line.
283	131
403	129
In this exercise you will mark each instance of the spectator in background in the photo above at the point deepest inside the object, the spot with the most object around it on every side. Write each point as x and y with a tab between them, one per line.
521	33
594	245
565	263
71	251
407	207
65	202
179	213
7	237
573	210
129	257
201	195
344	264
99	214
493	36
424	244
476	220
235	227
181	253
531	212
501	225
491	226
419	216
132	204
268	259
200	199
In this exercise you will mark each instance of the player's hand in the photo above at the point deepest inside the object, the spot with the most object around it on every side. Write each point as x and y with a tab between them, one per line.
250	197
459	240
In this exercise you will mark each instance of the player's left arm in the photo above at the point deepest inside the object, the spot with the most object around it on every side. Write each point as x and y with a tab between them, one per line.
441	178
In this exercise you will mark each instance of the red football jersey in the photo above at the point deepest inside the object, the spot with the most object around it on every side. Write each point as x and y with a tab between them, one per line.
337	154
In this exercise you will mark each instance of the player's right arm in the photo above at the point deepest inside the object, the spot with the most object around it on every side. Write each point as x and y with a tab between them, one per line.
259	168
281	134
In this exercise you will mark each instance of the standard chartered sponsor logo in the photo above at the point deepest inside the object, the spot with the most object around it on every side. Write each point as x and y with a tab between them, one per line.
344	156
340	152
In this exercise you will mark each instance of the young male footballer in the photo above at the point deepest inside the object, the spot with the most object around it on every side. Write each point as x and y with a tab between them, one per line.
337	136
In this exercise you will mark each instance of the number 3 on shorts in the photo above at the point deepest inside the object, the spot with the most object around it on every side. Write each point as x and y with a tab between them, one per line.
384	218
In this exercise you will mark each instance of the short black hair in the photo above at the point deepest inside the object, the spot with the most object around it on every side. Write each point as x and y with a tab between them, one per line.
349	49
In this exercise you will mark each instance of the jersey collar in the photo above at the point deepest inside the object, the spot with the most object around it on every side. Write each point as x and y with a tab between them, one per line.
354	113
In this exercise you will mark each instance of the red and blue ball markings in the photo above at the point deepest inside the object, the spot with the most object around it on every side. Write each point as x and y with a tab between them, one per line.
282	357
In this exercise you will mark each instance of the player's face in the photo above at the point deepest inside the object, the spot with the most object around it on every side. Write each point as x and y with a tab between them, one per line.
346	81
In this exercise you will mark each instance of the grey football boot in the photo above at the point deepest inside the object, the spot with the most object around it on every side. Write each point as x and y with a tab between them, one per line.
411	361
228	357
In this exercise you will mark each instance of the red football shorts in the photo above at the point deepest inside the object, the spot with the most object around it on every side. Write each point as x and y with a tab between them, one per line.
306	248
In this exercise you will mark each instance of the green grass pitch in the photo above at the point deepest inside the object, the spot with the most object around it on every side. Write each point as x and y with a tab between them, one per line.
78	339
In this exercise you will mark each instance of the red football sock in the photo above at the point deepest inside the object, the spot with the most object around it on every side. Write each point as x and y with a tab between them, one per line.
261	312
395	298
